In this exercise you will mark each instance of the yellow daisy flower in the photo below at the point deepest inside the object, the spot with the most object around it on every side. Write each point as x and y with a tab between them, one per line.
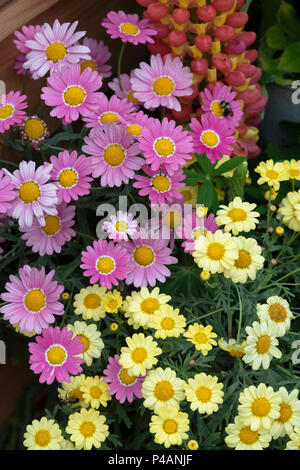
249	261
94	391
232	347
276	310
242	437
70	393
112	301
91	339
169	426
215	251
259	407
141	306
167	322
294	443
289	209
202	337
238	216
87	429
261	345
205	393
139	354
271	173
189	194
293	169
89	304
289	413
160	388
43	435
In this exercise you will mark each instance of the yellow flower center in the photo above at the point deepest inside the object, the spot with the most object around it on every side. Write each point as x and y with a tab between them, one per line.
236	353
203	394
294	173
135	130
95	392
138	355
163	390
105	265
161	183
56	355
85	341
164	147
56	51
114	326
88	63
172	219
42	437
170	426
76	393
201	338
29	192
263	344
168	323
67	178
52	225
114	155
35	300
131	97
285	413
109	116
247	436
121	226
150	305
217	109
92	301
129	28
6	111
74	95
261	407
277	312
187	195
34	129
163	86
243	260
112	304
215	251
237	215
143	255
272	174
87	429
125	378
210	139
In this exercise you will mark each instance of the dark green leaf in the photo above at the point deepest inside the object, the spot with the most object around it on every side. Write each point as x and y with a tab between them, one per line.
276	38
192	177
207	195
287	17
290	59
205	164
229	165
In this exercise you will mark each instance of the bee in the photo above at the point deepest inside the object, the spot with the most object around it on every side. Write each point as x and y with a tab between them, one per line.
227	111
69	401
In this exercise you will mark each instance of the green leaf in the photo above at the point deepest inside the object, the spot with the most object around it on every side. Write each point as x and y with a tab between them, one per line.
290	59
229	165
287	17
205	164
276	38
192	177
207	195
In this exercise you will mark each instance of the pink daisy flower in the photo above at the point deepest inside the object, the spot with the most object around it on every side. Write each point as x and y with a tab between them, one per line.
109	110
72	93
121	384
148	260
33	299
136	122
7	192
105	262
53	47
212	136
126	91
55	355
114	154
70	173
165	143
11	109
35	196
220	102
192	227
100	54
120	226
26	33
159	83
128	28
56	232
159	186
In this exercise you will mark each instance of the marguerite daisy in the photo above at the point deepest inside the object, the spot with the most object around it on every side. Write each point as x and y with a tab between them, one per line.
261	345
87	429
248	262
89	303
242	437
202	337
289	209
271	173
139	354
11	109
99	56
44	434
289	413
128	28
94	391
70	393
167	322
276	310
170	426
120	225
91	339
162	388
238	216
205	393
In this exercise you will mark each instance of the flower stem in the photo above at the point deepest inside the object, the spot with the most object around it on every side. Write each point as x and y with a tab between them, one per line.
241	314
120	64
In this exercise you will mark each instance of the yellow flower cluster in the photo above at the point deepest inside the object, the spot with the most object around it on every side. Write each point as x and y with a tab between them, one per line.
93	302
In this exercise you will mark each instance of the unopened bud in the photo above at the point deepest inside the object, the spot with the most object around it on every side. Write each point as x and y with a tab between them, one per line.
192	362
204	275
272	208
273	261
114	326
279	231
270	230
65	295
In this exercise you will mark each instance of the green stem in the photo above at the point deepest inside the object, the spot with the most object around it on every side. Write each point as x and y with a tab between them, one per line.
293	185
61	149
277	282
241	314
9	163
129	193
206	315
269	212
85	235
25	82
120	64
